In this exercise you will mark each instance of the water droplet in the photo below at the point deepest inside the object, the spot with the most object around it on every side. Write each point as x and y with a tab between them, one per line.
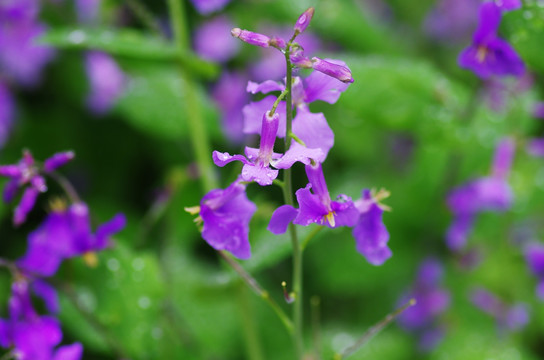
113	264
144	302
77	37
138	264
86	299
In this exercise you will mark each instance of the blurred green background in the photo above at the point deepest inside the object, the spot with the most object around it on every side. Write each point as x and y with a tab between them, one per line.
412	122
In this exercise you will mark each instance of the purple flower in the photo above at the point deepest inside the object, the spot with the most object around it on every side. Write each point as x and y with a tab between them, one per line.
337	71
315	206
311	128
511	318
431	301
304	20
20	57
106	81
257	161
213	42
225	215
452	20
535	147
206	7
6	114
229	96
66	233
490	193
32	336
534	255
251	37
538	110
508	5
27	172
371	235
489	55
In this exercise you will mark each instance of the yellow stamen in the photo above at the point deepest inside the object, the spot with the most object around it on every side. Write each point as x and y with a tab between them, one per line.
330	218
481	53
380	195
193	210
90	259
57	204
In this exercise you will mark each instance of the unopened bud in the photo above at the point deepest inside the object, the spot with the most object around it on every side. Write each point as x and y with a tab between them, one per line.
57	160
277	42
304	20
251	37
298	59
336	71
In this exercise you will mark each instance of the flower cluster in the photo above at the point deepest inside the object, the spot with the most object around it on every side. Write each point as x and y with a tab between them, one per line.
431	301
509	318
65	233
488	54
491	193
309	139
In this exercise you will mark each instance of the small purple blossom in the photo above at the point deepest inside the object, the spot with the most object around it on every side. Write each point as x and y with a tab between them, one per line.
225	215
304	20
510	318
251	37
337	71
534	256
431	302
206	7
489	55
28	175
66	233
315	206
106	81
257	161
492	193
452	20
508	5
6	114
21	59
371	235
212	41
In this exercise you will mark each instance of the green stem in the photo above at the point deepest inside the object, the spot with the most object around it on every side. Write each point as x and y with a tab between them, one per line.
263	294
199	136
298	336
253	345
310	236
277	102
145	16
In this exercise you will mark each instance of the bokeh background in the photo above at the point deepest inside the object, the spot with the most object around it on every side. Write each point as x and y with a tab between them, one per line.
413	122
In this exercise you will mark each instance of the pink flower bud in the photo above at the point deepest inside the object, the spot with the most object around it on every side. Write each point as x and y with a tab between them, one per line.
304	20
251	37
298	59
339	72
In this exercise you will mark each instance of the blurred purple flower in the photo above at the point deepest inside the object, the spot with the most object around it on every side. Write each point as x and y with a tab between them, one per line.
257	161
511	318
534	255
371	235
489	55
452	20
206	7
6	114
492	193
431	301
508	5
225	215
32	336
106	81
315	206
213	41
66	233
20	57
538	110
27	172
87	10
535	147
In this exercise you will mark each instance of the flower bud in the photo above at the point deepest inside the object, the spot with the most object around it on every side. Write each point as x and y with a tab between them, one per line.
277	42
339	72
57	160
304	20
301	61
251	37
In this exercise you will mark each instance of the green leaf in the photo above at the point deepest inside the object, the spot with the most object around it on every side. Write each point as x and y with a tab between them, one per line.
128	43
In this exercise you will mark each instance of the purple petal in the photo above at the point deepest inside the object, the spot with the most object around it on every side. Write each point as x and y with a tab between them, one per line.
489	21
345	212
430	273
12	171
27	203
313	130
508	5
534	255
298	152
36	340
5	333
304	20
57	160
38	183
221	159
281	218
371	236
251	37
106	80
69	352
7	113
269	129
47	293
226	215
253	114
263	176
10	190
212	40
108	229
264	87
319	186
504	155
319	86
311	209
340	72
458	232
535	147
206	7
517	317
